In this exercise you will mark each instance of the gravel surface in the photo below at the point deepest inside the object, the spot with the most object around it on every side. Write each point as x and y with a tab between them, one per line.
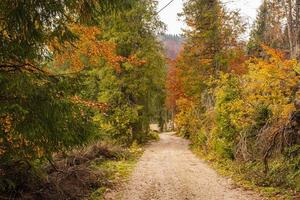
168	170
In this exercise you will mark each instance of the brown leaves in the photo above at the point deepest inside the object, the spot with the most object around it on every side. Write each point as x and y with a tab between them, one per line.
6	123
13	140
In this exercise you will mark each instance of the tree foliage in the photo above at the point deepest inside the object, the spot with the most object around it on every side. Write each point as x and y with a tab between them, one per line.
139	86
234	108
72	72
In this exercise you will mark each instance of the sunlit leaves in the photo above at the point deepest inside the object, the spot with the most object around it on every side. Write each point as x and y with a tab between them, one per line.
268	82
271	82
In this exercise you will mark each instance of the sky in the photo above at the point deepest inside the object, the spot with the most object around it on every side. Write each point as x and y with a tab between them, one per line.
169	14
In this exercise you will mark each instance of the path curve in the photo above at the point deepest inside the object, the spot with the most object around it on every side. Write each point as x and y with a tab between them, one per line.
168	170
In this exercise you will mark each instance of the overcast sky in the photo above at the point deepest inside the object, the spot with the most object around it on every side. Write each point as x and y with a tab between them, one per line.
169	15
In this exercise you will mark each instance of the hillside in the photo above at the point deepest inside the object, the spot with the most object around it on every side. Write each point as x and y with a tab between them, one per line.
172	44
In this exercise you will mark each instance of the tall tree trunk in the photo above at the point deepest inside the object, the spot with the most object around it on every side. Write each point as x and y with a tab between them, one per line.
289	16
297	31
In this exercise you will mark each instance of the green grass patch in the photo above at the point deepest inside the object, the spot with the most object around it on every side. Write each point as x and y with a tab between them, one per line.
115	171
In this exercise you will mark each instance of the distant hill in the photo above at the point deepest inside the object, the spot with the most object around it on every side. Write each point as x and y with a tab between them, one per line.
172	44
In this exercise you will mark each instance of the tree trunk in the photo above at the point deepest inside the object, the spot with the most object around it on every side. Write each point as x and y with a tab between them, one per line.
297	32
289	16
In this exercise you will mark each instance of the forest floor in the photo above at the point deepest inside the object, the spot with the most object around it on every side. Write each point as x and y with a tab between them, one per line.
169	170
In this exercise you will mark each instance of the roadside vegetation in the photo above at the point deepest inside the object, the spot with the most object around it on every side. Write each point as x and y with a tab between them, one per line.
79	85
238	102
81	81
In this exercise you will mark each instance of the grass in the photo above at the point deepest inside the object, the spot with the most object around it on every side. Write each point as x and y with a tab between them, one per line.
116	172
231	169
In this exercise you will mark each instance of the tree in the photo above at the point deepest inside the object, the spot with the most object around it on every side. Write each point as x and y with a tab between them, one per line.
140	86
291	12
40	113
211	46
268	28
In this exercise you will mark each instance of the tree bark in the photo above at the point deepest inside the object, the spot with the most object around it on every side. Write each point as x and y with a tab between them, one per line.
289	16
297	31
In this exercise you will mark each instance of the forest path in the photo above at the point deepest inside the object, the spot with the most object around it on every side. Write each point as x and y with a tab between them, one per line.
168	170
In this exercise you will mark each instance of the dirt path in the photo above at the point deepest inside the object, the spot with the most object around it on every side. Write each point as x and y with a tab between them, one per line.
169	170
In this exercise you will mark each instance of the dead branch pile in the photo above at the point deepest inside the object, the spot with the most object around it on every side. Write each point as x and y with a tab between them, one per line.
70	175
275	137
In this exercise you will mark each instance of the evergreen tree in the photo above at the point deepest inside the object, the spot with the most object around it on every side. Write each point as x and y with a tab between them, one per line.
39	114
268	29
139	88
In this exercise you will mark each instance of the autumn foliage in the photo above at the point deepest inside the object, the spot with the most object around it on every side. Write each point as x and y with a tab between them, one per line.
73	73
173	86
237	109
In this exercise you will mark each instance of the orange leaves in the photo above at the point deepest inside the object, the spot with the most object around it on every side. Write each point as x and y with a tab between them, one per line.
205	61
236	62
173	85
135	61
274	53
13	140
88	50
90	104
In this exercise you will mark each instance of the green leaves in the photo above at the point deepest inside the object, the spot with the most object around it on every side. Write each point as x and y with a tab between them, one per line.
138	89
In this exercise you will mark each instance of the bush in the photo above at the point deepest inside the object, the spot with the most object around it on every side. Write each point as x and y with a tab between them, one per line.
226	96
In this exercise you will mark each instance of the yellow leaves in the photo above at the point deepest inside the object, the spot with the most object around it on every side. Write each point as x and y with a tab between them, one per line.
5	34
238	112
270	81
40	152
297	69
186	120
184	103
229	101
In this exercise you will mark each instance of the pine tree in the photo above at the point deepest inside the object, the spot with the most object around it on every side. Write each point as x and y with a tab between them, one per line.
267	29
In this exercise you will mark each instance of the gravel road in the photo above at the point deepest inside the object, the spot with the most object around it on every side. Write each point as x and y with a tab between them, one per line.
168	170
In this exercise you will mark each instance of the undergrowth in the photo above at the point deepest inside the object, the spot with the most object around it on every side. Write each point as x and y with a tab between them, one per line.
116	171
250	175
83	173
